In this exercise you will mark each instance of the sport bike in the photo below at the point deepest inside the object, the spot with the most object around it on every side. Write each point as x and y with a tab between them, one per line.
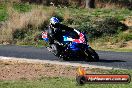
73	46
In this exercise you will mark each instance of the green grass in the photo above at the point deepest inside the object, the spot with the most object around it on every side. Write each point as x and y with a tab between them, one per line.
79	15
124	36
120	42
3	13
120	14
57	83
21	7
61	82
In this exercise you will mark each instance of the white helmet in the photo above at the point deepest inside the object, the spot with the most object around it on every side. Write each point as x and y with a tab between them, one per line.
54	20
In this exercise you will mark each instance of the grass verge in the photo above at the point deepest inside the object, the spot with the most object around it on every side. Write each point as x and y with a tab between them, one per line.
56	78
61	82
117	50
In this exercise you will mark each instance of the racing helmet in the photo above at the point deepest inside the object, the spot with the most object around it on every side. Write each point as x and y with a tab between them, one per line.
54	20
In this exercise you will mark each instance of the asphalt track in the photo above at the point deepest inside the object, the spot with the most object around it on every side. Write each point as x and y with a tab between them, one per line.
121	60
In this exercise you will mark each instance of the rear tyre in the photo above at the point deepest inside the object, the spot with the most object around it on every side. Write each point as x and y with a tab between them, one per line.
67	59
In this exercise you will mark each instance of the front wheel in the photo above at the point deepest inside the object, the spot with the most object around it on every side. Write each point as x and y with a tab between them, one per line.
54	49
91	55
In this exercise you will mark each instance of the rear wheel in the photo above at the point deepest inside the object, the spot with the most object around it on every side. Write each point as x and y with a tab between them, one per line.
91	55
66	58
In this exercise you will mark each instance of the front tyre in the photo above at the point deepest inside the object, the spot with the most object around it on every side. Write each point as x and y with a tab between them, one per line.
55	50
91	55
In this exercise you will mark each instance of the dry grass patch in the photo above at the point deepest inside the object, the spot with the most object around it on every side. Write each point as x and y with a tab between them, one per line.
15	70
17	21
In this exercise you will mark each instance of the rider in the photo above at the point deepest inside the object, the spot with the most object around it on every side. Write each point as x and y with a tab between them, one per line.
55	30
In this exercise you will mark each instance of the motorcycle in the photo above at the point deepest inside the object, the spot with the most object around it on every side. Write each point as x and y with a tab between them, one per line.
72	47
